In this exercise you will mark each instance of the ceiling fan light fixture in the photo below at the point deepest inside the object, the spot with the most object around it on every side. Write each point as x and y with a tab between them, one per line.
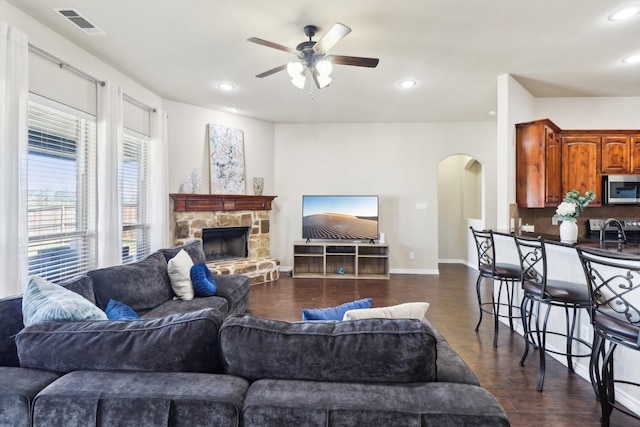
323	81
295	69
324	67
299	81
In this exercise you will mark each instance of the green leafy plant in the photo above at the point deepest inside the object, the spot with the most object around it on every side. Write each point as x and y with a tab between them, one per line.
573	205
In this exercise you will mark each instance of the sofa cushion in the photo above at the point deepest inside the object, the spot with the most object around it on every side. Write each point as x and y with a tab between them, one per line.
18	388
117	310
204	285
179	270
89	398
141	285
274	403
11	324
369	350
180	306
44	301
82	285
334	313
193	248
185	342
409	310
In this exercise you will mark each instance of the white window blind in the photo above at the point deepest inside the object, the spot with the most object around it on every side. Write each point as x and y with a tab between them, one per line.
136	242
61	169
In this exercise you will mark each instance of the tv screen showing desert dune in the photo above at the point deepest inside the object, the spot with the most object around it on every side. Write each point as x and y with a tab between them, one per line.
340	217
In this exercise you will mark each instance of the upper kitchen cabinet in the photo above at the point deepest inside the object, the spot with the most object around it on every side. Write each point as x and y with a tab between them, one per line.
635	155
581	164
550	162
538	164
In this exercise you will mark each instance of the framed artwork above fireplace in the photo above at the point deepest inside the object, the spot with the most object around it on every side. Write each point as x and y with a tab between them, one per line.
226	160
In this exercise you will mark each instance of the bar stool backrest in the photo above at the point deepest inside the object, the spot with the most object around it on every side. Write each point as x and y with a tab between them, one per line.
533	261
614	285
486	250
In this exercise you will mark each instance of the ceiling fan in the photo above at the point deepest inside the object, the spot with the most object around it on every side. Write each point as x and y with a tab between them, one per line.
312	56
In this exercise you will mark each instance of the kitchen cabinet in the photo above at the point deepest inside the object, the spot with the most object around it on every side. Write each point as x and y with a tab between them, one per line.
538	164
635	155
550	161
581	164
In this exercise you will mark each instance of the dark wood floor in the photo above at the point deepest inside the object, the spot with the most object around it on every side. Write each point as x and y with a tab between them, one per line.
567	400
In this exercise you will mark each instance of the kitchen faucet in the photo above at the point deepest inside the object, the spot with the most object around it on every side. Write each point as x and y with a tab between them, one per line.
622	238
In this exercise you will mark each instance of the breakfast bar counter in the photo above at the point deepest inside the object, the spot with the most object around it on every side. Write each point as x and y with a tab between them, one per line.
564	264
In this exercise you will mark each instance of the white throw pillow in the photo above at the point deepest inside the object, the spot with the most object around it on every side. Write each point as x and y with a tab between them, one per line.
44	301
410	310
179	269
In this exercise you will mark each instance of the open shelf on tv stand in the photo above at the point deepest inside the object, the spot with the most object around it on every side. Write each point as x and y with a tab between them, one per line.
340	260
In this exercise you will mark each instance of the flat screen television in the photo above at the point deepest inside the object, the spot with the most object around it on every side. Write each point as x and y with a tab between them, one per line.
339	217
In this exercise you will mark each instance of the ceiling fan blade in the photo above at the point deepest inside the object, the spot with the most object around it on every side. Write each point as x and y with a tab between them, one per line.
331	37
354	60
272	45
272	71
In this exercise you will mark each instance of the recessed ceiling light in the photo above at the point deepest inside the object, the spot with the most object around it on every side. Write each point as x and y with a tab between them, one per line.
407	84
631	59
226	86
624	13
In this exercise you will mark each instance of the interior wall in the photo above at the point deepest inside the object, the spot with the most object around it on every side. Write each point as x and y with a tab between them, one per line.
450	208
472	188
398	162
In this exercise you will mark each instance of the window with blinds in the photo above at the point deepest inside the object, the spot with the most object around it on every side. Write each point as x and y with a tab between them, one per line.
136	242
61	170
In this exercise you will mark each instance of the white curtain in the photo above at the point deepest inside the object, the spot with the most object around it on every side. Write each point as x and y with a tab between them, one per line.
14	96
158	191
110	134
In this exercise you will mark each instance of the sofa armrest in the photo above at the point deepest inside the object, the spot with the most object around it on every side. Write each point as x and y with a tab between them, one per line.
186	342
235	289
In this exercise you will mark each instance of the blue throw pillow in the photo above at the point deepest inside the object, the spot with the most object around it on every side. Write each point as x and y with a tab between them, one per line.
117	310
204	285
334	313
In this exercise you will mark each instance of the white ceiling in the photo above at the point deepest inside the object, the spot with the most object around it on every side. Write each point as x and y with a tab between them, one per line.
454	49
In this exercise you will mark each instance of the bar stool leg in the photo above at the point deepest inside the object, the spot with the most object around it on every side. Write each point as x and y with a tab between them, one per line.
479	300
542	345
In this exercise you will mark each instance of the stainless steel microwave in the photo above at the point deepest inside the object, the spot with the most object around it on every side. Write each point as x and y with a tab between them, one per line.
621	189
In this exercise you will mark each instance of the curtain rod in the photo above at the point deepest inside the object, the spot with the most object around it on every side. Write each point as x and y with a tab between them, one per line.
89	77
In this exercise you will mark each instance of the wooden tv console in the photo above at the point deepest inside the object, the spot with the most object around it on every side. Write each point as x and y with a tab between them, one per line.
326	259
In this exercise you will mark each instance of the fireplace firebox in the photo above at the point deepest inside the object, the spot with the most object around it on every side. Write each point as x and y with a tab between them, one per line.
225	243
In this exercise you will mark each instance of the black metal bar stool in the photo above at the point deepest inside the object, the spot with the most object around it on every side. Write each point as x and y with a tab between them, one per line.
542	292
507	274
614	284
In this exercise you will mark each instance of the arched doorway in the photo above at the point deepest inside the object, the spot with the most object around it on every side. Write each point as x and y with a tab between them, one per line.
460	204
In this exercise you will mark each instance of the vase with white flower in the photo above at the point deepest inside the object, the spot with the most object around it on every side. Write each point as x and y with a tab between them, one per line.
568	212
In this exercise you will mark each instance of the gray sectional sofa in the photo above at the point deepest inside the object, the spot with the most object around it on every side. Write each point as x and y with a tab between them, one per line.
196	363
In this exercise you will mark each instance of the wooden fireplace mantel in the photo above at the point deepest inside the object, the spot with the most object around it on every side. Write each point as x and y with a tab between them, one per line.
220	202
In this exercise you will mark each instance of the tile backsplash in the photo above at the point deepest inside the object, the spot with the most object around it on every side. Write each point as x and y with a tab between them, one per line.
540	218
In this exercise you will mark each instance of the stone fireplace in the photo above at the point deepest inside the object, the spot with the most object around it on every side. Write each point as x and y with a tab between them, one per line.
194	213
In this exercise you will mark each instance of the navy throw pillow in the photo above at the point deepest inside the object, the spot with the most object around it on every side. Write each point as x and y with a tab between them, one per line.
117	310
204	285
334	313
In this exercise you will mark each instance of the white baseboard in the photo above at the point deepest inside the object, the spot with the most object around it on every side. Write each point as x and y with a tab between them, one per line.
413	271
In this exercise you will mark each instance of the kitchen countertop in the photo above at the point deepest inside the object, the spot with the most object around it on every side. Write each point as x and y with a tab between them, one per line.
590	242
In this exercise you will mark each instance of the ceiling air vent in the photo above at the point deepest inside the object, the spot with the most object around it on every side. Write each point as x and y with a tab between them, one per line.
80	21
